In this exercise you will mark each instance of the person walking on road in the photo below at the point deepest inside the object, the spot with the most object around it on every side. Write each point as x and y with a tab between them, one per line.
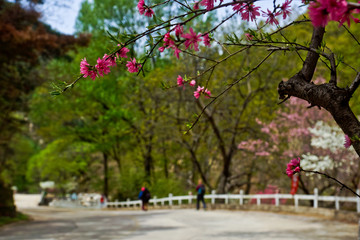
145	196
200	189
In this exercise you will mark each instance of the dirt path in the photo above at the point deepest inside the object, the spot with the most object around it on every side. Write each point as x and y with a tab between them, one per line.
74	224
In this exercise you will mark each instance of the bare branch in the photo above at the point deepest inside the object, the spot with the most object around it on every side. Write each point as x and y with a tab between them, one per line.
354	85
332	178
311	59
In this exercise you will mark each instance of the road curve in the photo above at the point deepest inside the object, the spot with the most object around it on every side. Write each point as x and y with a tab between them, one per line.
77	224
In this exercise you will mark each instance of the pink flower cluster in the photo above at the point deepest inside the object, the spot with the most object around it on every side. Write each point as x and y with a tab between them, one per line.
169	42
201	90
293	167
103	64
209	4
180	82
100	69
133	66
249	12
191	40
144	10
323	11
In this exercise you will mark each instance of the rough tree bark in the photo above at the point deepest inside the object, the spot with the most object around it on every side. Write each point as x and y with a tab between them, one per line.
328	95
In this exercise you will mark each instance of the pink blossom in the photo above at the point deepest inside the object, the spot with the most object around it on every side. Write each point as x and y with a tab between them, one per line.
347	16
192	83
176	52
122	52
208	3
161	49
207	93
206	40
144	10
348	141
198	92
248	11
249	37
149	12
262	154
111	60
192	40
133	66
293	167
322	11
141	6
85	69
167	40
180	81
179	30
285	8
102	66
196	5
271	17
201	90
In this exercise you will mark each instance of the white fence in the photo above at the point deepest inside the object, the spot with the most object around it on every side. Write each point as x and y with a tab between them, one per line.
172	200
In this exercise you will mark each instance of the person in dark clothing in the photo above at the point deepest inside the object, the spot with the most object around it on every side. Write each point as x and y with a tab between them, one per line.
145	196
200	189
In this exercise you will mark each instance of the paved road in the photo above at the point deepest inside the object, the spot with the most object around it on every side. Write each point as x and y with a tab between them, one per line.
75	224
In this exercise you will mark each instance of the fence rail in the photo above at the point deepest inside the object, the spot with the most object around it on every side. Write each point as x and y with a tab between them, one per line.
173	200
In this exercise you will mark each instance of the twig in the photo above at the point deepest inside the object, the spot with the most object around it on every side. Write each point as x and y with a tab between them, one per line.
332	178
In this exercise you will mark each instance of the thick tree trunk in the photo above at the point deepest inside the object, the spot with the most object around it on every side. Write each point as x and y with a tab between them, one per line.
7	206
328	95
106	176
224	177
148	160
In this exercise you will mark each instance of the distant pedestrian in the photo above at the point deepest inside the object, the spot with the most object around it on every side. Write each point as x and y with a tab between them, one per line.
73	196
103	200
145	196
200	189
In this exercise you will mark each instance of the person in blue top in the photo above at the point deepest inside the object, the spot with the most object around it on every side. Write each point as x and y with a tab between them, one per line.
200	189
145	196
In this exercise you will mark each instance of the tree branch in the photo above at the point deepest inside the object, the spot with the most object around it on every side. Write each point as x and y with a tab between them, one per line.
354	85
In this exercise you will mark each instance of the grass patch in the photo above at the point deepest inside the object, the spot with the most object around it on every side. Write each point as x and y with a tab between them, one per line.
19	217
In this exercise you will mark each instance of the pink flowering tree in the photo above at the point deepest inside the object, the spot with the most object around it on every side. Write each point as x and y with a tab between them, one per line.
177	36
309	134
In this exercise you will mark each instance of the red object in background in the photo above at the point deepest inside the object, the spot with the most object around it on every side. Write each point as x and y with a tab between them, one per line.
270	189
294	184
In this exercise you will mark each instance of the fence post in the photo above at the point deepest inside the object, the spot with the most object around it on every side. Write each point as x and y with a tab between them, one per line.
190	197
116	203
154	198
213	193
358	201
241	201
128	202
359	231
277	200
316	197
227	198
170	199
337	205
258	201
296	201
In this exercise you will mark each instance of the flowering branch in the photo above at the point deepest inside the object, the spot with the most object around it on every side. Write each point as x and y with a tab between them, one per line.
293	167
332	178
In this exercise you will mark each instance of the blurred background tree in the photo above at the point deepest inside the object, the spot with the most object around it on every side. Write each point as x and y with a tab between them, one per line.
119	132
26	45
